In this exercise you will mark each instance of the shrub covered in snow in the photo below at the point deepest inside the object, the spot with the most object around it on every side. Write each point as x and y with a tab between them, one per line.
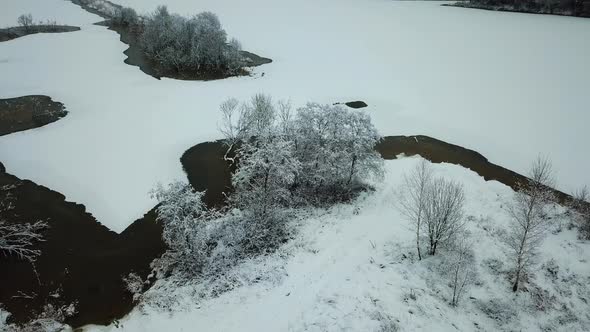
201	242
185	231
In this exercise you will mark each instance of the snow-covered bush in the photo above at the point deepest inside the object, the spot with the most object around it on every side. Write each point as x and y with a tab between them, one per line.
202	243
50	319
500	311
195	44
386	322
184	218
134	285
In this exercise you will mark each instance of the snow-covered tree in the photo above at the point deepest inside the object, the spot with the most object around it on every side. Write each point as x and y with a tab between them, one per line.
413	197
460	266
336	148
18	239
263	182
241	122
443	212
529	223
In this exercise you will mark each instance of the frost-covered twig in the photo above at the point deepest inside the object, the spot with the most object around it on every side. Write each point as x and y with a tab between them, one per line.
17	239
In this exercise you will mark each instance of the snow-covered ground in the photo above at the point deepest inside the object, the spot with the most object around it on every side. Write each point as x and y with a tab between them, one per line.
507	85
353	268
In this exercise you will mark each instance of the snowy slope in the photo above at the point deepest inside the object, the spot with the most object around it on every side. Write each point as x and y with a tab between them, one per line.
354	269
506	85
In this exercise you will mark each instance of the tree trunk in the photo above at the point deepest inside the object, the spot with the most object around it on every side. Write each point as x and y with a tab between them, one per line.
515	286
418	236
351	170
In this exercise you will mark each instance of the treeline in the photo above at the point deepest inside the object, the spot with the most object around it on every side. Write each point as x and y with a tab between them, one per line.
560	7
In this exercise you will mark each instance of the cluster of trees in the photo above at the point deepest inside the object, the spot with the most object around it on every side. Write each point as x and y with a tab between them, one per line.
180	44
318	155
435	205
26	22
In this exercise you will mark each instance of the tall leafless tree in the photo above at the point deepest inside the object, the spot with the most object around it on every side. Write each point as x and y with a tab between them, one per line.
529	223
26	21
413	197
443	212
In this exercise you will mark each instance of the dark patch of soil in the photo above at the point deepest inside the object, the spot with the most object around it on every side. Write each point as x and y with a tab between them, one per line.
16	32
22	113
136	57
81	260
208	171
356	104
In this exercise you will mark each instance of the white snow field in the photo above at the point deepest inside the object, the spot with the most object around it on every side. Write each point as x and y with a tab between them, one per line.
507	85
354	268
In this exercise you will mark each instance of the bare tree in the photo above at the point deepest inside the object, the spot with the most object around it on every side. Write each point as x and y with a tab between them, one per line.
26	21
413	197
461	266
18	239
529	224
443	211
234	124
285	116
262	114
